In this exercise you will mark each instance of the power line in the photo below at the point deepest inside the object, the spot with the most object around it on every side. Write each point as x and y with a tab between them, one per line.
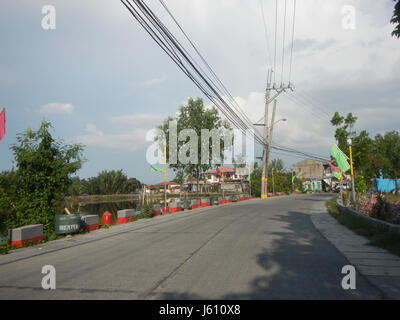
291	50
283	42
266	33
176	52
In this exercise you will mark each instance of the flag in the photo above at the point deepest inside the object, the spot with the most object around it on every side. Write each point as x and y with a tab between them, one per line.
218	170
2	123
334	170
293	177
153	168
340	158
249	177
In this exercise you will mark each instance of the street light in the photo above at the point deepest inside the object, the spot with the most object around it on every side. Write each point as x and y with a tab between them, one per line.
353	194
263	124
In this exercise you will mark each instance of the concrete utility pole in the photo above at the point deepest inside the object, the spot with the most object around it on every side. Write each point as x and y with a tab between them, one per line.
264	178
268	135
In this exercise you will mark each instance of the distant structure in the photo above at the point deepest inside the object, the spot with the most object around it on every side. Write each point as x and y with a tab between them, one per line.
316	175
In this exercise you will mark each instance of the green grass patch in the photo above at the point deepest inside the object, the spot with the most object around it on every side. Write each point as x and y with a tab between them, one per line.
379	238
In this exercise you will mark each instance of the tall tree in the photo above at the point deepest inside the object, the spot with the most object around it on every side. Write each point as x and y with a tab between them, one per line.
277	166
396	19
194	116
364	157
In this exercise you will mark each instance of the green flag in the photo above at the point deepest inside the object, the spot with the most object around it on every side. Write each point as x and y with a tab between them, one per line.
336	175
340	158
249	177
293	177
153	168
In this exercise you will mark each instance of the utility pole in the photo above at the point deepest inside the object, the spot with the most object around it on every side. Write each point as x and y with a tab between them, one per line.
268	135
264	178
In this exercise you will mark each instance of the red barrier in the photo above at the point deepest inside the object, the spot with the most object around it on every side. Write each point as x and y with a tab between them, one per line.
106	219
20	243
165	209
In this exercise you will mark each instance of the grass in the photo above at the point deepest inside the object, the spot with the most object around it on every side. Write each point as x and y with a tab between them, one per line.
379	238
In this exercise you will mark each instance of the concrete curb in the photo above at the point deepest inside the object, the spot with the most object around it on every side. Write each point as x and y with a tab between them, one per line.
376	223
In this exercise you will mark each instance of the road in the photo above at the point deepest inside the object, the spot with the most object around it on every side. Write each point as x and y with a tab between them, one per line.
256	249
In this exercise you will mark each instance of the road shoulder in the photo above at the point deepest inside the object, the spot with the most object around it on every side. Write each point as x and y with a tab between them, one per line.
379	267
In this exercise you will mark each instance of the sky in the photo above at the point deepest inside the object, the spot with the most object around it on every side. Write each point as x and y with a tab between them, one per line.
102	81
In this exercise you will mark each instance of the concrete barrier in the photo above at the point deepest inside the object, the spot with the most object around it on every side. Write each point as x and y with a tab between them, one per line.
156	210
193	204
125	216
205	202
376	223
164	209
90	222
27	234
173	207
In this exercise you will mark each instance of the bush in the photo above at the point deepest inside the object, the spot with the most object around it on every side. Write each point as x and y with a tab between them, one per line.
366	204
382	209
44	166
360	185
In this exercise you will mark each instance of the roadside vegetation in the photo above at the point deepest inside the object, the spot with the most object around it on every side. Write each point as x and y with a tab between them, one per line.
42	183
382	239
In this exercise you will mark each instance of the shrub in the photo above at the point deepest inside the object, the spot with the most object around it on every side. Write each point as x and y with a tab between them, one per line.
382	209
366	204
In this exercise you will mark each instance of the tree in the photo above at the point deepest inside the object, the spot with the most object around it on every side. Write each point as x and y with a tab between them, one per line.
344	129
388	154
362	145
180	177
277	166
396	19
110	182
44	166
194	116
256	180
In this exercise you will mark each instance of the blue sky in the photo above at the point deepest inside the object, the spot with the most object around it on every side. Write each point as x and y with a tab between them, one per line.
100	80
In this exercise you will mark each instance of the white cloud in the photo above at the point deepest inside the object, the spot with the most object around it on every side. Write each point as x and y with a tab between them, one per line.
132	133
302	130
137	120
56	107
155	81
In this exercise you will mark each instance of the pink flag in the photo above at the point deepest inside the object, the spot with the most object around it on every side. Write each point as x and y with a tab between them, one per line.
334	169
2	123
218	170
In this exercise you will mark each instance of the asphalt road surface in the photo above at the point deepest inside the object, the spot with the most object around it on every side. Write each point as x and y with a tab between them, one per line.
257	249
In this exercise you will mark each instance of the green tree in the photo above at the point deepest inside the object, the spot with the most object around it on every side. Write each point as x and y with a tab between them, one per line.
110	182
344	129
44	166
194	116
388	154
362	145
277	166
256	180
180	177
396	19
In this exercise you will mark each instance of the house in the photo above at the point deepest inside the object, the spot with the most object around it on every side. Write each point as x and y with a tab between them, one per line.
230	175
172	187
316	175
